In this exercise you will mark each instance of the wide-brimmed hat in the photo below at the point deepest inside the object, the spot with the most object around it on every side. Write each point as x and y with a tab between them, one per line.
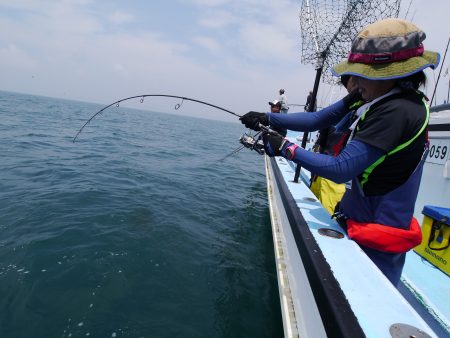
387	49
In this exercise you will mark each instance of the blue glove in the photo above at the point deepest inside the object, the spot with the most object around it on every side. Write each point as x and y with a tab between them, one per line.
274	144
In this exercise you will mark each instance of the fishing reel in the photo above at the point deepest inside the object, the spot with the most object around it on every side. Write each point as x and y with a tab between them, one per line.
255	142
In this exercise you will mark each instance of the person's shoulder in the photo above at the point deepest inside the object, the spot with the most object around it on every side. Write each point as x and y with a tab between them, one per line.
399	116
400	105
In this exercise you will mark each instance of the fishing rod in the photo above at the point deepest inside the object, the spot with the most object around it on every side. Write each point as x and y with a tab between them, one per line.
439	76
177	106
252	142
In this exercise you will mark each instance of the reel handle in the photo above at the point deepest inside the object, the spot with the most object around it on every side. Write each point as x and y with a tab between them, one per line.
266	130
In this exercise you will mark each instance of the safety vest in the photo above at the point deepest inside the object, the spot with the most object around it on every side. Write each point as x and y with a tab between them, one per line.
373	221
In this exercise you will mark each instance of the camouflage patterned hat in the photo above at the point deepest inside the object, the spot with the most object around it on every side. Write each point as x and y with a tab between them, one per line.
387	49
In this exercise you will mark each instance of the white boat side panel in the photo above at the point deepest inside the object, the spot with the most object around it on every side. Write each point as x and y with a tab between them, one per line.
301	317
439	151
376	303
432	191
434	188
432	286
440	117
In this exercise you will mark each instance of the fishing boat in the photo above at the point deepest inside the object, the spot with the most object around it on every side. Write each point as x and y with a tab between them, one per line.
328	287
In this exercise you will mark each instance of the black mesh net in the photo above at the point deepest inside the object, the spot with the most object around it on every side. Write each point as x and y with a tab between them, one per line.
328	28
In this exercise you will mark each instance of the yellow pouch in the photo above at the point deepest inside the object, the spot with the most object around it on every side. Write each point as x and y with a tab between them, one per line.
328	192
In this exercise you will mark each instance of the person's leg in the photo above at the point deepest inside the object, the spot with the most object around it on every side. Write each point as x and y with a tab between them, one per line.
390	264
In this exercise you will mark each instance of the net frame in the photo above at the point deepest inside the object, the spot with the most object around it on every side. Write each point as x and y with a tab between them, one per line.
328	28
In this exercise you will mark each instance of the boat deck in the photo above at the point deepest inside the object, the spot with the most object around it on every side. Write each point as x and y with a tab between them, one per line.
376	304
431	288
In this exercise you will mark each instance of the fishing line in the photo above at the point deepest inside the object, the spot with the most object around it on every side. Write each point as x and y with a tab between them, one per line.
248	141
238	149
142	97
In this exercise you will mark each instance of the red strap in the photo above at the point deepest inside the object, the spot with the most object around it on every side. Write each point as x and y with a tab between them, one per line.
374	58
385	238
290	151
337	148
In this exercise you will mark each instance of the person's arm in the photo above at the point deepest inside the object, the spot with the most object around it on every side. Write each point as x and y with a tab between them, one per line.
351	162
309	121
300	121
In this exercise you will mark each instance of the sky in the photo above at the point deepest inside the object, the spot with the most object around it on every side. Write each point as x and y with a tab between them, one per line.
235	54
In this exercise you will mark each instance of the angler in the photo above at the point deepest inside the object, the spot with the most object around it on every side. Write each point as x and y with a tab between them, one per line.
384	154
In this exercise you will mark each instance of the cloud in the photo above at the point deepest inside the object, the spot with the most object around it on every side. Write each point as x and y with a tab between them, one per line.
209	3
14	57
266	41
75	55
217	19
210	44
119	17
224	52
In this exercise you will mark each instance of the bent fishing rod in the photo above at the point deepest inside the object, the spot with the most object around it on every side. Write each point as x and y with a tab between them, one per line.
252	142
177	106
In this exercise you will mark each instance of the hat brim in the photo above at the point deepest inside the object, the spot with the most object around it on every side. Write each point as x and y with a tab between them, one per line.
387	71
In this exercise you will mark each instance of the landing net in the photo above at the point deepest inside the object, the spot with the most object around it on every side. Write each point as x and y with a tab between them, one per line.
328	28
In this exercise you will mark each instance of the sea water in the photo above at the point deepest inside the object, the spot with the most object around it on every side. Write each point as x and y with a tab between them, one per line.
134	230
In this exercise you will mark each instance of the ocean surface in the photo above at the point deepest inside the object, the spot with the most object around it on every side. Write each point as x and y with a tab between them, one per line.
134	230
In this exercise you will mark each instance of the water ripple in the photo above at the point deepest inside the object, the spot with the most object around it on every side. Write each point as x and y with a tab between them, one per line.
135	230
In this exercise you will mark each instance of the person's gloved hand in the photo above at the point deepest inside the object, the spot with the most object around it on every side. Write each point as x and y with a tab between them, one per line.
252	120
273	144
352	98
